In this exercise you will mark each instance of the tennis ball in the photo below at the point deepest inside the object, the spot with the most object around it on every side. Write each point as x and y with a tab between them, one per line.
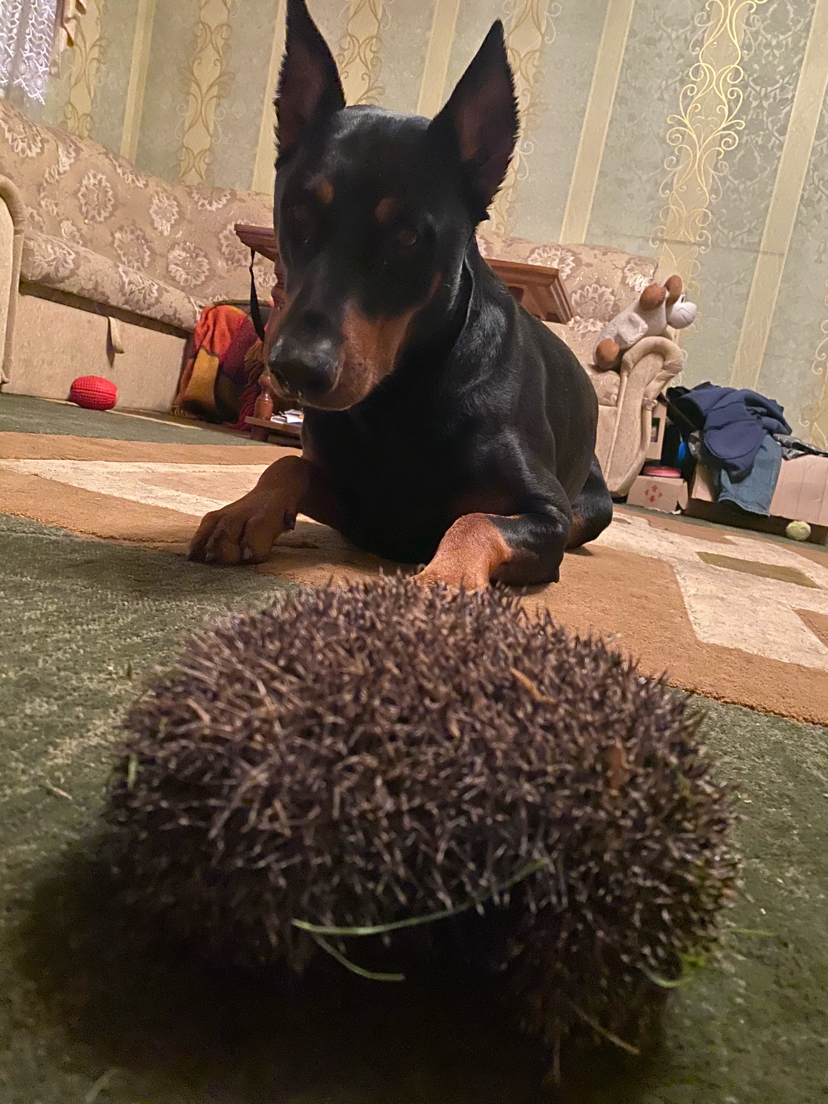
798	530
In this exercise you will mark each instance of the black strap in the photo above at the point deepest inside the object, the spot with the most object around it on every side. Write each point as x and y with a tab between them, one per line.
255	312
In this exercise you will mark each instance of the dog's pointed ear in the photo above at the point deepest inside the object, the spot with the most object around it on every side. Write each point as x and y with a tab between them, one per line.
309	85
482	121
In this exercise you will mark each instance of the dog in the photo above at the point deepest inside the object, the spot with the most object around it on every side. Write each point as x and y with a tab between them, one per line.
444	425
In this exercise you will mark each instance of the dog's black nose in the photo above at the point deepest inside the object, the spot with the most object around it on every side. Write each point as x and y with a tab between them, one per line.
304	360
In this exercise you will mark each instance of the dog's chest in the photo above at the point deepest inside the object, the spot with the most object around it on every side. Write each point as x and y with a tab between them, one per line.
403	453
395	484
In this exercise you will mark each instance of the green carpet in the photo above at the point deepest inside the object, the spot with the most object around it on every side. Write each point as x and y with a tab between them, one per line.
22	414
83	622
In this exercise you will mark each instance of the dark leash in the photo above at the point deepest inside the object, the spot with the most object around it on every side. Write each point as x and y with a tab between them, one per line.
255	310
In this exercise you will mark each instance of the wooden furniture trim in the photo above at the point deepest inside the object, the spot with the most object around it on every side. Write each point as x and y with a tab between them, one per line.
538	288
261	239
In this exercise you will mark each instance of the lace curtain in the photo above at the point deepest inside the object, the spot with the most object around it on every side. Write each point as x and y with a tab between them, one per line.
32	35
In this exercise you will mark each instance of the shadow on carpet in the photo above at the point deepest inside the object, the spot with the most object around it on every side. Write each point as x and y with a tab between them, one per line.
166	1027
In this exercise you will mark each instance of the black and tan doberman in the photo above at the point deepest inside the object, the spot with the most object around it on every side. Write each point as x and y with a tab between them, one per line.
444	425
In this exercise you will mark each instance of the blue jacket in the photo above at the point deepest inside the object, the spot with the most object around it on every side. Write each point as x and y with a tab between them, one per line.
734	422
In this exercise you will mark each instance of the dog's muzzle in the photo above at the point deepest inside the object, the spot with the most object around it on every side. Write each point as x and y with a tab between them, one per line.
304	359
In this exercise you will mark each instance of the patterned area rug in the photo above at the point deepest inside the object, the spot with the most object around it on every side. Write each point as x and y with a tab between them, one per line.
734	616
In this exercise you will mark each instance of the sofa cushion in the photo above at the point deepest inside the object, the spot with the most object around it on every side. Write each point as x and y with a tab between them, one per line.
81	196
600	281
73	268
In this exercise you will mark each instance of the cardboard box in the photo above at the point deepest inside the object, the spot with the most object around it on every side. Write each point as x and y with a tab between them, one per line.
801	491
661	493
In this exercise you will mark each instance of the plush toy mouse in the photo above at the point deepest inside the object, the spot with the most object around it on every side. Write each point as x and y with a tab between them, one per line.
657	309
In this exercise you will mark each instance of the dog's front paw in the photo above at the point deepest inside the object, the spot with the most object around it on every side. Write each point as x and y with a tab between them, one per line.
454	579
243	532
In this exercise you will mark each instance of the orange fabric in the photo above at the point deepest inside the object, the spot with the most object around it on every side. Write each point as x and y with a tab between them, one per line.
211	339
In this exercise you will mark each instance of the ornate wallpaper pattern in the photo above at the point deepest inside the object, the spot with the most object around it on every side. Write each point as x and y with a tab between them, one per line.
773	45
208	80
530	26
358	57
88	55
702	132
683	146
803	302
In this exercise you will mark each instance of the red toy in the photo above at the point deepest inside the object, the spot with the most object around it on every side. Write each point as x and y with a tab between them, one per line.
94	393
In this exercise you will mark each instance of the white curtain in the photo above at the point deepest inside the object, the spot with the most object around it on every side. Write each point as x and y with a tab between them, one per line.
27	42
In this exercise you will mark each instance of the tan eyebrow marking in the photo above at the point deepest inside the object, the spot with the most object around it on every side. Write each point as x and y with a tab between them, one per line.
385	208
324	191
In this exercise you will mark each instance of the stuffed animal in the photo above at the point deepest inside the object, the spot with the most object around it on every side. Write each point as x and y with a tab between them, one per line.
657	309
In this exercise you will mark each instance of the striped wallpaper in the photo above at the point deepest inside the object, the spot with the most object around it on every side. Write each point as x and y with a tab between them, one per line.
691	130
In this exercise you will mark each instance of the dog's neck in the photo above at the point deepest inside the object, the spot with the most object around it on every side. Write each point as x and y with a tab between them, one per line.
441	324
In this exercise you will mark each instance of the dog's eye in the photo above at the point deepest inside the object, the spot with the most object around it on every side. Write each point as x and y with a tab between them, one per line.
405	237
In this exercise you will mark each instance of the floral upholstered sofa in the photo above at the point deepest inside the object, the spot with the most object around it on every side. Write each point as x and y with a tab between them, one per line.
103	269
601	282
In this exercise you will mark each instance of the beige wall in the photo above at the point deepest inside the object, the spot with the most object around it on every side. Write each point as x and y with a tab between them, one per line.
694	130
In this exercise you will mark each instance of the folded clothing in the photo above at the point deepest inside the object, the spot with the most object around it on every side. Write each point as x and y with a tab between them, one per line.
221	369
793	447
754	491
735	422
210	341
237	385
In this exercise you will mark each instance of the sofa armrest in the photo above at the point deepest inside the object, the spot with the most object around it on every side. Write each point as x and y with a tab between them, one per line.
645	370
657	360
12	229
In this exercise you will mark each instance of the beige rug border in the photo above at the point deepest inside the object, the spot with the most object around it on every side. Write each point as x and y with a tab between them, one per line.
622	609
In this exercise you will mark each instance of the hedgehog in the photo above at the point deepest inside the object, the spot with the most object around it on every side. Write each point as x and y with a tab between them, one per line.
356	771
